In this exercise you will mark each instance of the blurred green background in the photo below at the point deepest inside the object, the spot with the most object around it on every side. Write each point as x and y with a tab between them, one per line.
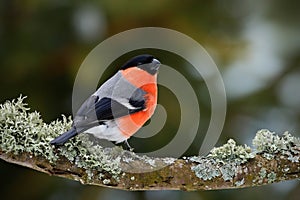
256	46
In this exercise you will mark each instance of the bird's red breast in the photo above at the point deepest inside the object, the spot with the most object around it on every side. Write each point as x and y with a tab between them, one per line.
141	79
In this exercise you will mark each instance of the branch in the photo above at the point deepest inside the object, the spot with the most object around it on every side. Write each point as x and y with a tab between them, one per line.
25	141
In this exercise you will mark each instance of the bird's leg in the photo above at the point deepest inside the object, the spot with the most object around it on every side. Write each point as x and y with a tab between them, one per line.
129	147
125	145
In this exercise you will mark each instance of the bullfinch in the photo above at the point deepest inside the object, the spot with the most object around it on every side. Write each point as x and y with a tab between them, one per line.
121	105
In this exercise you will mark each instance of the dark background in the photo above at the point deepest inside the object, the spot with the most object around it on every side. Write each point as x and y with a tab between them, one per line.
255	46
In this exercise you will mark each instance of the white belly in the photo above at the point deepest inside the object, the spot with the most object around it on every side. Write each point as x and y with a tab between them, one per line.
108	131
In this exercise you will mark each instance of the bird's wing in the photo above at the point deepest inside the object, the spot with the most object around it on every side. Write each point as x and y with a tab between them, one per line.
95	110
108	108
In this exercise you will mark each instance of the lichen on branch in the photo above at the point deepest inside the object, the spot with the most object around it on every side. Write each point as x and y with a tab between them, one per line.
24	131
25	140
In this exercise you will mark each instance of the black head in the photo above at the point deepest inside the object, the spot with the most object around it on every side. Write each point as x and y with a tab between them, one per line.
145	62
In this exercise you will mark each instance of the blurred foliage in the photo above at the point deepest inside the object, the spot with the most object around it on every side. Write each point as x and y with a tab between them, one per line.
42	44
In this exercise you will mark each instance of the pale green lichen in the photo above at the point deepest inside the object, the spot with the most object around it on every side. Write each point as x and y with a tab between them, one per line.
24	131
262	173
206	169
268	144
228	171
240	183
149	161
106	181
169	160
222	161
88	155
263	176
271	177
231	152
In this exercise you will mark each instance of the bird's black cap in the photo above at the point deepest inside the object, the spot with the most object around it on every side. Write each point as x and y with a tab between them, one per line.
146	62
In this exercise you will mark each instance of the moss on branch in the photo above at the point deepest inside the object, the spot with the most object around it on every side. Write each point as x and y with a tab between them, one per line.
25	138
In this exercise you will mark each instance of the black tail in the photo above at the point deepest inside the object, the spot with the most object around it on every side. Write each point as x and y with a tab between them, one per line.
60	140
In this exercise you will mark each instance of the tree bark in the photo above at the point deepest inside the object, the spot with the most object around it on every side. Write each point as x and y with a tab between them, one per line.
176	176
25	140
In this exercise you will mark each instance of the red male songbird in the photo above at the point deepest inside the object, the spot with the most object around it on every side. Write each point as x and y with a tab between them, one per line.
121	106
